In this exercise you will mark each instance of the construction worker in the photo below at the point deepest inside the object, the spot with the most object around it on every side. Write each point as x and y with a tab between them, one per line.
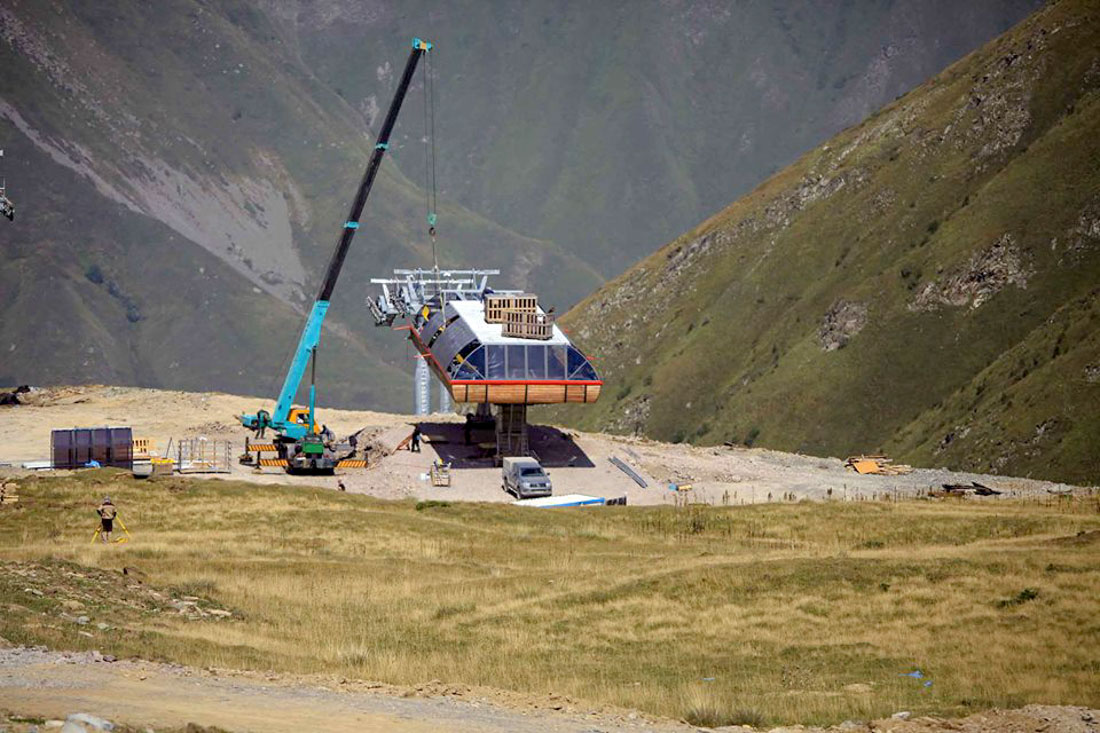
414	446
107	513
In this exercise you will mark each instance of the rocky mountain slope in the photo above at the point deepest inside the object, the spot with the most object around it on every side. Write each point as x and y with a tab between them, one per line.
180	174
611	127
924	283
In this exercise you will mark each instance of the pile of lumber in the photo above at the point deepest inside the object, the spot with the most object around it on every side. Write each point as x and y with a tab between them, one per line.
878	465
975	487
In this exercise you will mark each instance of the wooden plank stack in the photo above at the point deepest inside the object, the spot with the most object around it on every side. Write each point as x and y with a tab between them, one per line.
497	304
878	465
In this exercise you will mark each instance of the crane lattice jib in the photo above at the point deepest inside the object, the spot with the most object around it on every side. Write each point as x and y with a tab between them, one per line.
311	334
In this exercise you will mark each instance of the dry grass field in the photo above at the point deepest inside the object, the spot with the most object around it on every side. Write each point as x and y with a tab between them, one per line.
808	612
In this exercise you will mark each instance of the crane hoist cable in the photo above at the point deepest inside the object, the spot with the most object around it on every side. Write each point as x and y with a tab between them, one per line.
430	191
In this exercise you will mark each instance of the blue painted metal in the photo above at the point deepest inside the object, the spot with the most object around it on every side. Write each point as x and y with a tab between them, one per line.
311	335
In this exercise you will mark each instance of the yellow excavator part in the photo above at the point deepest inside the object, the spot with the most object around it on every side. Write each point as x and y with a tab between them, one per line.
300	416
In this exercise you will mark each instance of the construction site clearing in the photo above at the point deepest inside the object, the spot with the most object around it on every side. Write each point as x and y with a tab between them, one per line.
617	469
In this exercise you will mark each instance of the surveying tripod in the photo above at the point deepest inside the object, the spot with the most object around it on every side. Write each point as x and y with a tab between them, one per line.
118	540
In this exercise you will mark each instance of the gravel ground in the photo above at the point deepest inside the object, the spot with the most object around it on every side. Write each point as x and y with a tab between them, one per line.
578	462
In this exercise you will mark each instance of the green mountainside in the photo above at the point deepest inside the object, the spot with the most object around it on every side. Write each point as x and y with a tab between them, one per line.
925	283
181	169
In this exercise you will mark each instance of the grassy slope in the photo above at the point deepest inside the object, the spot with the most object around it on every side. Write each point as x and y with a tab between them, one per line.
715	337
782	605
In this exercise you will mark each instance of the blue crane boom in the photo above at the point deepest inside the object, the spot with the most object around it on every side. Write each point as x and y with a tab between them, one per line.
311	333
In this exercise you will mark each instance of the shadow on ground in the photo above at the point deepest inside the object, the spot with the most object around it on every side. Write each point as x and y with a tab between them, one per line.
553	447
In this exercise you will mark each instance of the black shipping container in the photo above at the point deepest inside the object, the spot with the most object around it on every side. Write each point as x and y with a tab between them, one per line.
76	447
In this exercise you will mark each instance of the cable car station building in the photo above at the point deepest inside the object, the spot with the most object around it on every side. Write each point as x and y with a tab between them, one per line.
487	347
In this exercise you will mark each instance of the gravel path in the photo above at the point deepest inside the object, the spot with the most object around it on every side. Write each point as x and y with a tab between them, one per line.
35	681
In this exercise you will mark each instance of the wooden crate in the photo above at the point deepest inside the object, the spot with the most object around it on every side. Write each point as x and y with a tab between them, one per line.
528	324
144	448
9	494
496	305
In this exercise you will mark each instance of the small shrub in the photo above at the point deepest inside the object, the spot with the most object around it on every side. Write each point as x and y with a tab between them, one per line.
201	587
430	504
1027	594
624	392
750	439
709	715
94	274
455	609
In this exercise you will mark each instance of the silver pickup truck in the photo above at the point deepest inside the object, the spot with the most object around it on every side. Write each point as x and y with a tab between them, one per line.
525	478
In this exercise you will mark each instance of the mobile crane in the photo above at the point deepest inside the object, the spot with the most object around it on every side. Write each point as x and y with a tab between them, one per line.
297	439
7	208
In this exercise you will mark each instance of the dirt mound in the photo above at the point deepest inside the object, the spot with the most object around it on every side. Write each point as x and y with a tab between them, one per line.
1084	537
93	598
1064	719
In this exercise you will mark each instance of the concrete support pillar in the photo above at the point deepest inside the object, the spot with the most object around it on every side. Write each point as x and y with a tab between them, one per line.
445	404
422	394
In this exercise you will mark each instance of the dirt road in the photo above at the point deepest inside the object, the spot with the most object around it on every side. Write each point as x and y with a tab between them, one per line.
35	682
